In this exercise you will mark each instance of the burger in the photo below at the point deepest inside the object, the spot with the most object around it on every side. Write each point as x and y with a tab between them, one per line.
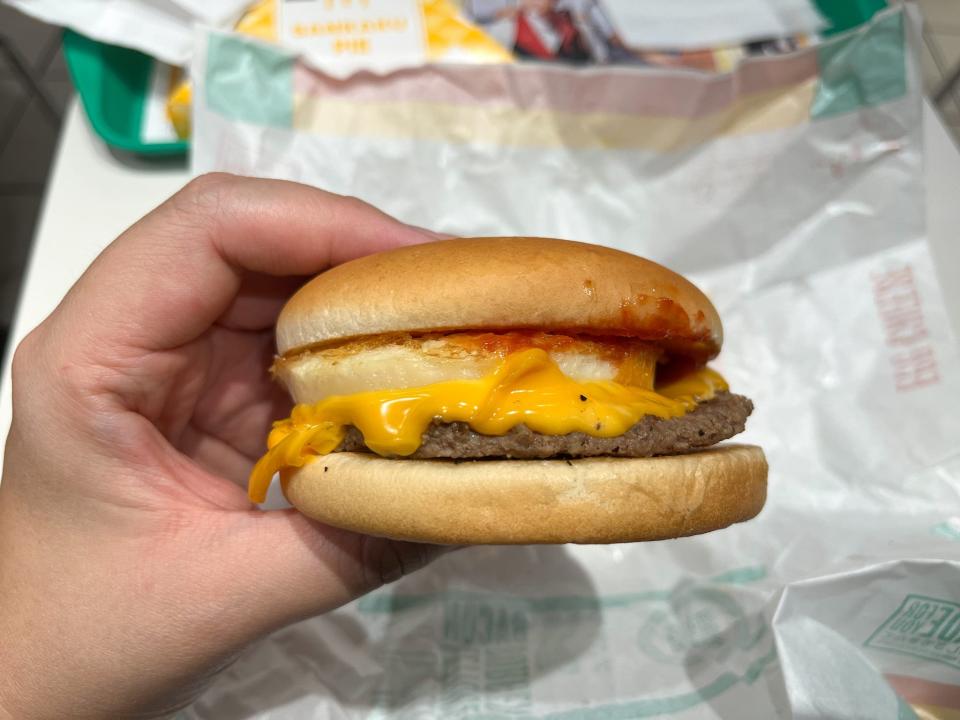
508	390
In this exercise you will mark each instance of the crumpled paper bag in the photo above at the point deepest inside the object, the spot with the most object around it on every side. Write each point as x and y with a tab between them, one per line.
792	192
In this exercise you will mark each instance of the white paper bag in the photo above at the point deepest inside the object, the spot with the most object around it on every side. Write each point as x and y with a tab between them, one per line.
792	192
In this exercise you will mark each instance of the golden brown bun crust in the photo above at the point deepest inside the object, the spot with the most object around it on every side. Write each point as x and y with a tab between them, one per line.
502	284
592	500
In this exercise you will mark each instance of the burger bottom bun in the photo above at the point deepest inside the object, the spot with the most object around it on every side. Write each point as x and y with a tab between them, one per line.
478	502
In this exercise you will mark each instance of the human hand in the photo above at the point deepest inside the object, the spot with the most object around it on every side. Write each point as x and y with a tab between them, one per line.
133	566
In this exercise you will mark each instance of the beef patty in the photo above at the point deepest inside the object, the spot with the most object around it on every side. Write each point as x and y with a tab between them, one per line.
710	422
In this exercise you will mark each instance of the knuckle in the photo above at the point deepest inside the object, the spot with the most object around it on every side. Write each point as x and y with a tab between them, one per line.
27	383
212	181
351	206
205	195
25	357
381	561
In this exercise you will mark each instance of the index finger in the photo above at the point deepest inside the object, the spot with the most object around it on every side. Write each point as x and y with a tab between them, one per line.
172	274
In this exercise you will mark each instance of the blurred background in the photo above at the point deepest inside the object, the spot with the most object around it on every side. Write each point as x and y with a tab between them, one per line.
35	89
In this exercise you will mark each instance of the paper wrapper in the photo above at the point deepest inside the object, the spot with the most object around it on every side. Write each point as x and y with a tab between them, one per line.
792	192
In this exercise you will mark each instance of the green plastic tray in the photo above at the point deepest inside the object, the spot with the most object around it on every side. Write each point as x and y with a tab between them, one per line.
112	83
843	15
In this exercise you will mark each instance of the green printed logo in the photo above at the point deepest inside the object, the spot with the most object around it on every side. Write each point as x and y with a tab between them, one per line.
484	654
923	627
467	623
701	626
481	656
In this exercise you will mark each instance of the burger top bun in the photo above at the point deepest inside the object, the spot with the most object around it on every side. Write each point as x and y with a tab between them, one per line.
500	284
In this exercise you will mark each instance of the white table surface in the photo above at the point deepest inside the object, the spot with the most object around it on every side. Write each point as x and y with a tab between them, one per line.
93	196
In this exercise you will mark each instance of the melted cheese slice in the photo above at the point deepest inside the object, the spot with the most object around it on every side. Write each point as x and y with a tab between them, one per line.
526	388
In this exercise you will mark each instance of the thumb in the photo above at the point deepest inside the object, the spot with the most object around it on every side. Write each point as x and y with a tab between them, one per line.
295	567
